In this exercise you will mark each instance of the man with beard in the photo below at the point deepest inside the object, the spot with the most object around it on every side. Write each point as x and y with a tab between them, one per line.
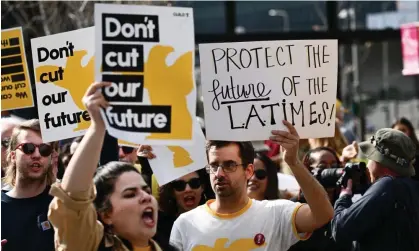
24	224
233	221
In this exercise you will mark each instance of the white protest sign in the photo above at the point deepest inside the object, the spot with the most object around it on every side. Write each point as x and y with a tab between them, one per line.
147	52
250	87
173	162
64	69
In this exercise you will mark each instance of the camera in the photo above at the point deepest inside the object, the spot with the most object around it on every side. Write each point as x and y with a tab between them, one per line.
336	177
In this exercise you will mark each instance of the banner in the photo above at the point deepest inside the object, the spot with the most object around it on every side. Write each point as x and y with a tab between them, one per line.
250	87
410	48
16	89
147	52
64	69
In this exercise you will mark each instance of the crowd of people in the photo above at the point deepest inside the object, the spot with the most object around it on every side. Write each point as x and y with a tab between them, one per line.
64	196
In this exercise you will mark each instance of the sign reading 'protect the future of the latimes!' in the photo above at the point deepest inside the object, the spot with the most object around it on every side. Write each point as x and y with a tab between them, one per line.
250	87
147	53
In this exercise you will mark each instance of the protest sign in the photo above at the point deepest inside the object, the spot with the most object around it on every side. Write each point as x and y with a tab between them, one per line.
147	52
64	69
16	89
173	162
250	87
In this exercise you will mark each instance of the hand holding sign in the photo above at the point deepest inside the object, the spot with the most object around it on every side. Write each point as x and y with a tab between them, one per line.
289	141
93	100
145	151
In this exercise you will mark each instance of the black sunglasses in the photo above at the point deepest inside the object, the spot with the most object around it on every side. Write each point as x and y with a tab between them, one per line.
127	149
45	150
180	185
261	174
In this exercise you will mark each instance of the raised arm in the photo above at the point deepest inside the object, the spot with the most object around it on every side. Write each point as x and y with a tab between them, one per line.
319	211
79	173
71	212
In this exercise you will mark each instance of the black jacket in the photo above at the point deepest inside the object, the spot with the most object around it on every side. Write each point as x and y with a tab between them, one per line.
384	218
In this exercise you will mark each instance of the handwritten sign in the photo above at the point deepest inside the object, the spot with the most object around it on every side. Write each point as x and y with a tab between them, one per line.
64	69
249	88
147	52
16	90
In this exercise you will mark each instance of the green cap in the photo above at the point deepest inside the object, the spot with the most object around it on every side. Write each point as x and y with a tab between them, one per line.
392	149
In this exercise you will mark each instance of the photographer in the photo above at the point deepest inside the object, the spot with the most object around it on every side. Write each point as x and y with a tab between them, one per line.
386	216
317	161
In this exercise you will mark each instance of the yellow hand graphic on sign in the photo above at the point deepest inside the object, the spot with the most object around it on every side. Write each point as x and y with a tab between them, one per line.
76	79
220	245
169	85
181	157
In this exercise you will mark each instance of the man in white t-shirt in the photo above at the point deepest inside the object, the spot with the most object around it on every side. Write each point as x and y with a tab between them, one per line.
233	221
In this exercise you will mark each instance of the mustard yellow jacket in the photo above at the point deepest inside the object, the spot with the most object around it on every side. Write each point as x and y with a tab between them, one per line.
75	222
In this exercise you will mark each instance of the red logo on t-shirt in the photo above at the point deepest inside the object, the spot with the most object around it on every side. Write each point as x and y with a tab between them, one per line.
259	239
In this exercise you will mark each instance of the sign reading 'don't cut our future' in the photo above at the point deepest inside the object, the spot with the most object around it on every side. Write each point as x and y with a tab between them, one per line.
16	90
64	69
147	53
250	87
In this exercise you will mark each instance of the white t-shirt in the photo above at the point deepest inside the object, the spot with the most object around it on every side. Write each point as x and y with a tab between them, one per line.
260	225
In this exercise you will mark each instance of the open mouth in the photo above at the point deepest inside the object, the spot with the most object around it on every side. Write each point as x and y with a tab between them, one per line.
189	200
35	167
148	217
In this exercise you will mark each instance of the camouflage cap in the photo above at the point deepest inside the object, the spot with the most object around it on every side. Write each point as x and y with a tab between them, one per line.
393	149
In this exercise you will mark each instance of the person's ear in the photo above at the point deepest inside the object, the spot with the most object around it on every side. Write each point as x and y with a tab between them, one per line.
12	155
250	169
106	218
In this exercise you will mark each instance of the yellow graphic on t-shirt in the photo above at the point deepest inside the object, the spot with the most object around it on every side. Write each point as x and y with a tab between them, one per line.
76	79
169	85
181	157
220	245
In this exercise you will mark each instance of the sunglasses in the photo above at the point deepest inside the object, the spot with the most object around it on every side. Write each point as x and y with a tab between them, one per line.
45	150
260	174
127	149
180	185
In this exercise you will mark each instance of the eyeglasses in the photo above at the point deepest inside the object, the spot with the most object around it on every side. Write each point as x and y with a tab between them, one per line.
45	150
229	167
5	142
180	185
127	149
260	174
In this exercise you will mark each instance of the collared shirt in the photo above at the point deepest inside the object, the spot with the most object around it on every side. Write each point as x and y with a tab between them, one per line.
75	222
